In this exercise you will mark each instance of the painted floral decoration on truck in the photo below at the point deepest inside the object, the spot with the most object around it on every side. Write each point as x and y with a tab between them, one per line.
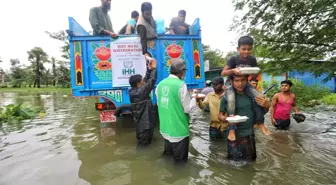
173	50
101	58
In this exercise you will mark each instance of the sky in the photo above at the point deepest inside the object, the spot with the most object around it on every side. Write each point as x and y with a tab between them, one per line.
24	22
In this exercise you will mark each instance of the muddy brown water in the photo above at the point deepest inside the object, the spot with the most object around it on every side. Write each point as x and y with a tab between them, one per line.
70	147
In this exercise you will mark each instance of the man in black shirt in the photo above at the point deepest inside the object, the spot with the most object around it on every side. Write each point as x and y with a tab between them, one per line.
178	25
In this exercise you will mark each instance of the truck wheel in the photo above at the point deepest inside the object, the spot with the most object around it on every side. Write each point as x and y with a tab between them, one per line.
123	109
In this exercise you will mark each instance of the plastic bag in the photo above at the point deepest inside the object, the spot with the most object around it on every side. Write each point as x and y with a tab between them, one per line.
160	28
299	118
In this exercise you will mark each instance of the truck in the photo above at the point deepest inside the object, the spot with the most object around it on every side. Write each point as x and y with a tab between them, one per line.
97	70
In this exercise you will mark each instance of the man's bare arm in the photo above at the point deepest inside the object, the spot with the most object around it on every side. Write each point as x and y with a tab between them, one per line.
222	117
227	71
274	102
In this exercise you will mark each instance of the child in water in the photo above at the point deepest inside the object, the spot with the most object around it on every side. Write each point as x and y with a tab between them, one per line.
282	104
245	59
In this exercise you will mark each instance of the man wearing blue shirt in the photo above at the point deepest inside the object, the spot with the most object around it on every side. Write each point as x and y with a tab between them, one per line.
129	28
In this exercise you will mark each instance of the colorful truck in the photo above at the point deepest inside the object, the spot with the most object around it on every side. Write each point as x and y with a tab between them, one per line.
97	70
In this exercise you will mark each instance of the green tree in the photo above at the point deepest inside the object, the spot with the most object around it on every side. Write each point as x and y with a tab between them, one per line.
17	72
63	77
61	36
291	33
215	57
37	56
63	69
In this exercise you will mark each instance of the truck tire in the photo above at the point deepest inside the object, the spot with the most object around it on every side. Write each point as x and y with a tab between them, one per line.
122	108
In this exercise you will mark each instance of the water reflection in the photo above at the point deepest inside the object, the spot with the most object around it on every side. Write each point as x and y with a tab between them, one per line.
70	146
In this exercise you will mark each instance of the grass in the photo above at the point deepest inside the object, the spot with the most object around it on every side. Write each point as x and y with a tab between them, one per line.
40	90
329	99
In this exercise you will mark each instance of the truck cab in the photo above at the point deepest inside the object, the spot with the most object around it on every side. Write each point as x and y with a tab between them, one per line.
91	66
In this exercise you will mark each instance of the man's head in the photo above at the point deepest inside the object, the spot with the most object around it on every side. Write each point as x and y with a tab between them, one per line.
106	4
136	81
181	16
146	10
218	84
254	82
178	68
245	46
238	82
135	15
286	85
208	83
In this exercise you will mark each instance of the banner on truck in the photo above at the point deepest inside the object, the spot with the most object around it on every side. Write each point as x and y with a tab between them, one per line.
127	60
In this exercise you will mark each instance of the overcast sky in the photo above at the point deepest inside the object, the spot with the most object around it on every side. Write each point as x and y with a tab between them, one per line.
24	22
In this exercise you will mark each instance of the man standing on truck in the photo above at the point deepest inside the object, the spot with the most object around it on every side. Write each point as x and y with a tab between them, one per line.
178	25
100	21
174	106
141	104
146	27
129	28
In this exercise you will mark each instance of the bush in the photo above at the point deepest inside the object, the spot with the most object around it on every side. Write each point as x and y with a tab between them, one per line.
305	95
329	99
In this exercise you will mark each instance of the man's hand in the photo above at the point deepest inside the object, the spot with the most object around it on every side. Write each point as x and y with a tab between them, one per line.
263	101
273	121
182	28
113	35
236	71
152	64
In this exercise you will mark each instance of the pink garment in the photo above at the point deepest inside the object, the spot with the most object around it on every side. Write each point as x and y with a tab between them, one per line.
283	109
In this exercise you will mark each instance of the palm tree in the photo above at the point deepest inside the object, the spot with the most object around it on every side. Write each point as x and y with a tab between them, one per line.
37	56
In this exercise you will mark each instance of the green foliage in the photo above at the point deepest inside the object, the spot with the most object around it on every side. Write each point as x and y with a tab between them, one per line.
17	112
329	99
216	57
37	57
61	36
291	33
305	95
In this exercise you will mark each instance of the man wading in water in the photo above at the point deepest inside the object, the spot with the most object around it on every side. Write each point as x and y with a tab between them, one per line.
282	104
217	127
174	106
243	148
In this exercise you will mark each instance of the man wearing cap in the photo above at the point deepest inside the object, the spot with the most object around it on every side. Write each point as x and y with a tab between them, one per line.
178	25
208	89
217	127
174	106
100	21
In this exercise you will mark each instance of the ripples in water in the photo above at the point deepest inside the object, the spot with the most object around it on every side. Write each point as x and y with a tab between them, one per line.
70	146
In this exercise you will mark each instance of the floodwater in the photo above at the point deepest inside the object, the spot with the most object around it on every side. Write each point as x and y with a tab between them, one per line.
69	146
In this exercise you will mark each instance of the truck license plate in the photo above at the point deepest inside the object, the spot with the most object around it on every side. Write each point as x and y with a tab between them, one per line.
107	117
